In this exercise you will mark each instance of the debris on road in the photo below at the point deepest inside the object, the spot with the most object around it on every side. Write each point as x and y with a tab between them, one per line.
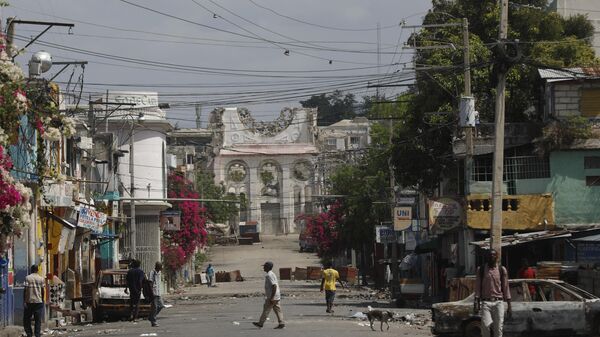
359	315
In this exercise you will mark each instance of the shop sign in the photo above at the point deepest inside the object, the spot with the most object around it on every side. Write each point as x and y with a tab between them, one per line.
385	234
444	214
91	219
402	218
170	220
405	200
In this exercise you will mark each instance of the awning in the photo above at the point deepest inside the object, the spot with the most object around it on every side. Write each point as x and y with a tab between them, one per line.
518	239
428	246
60	220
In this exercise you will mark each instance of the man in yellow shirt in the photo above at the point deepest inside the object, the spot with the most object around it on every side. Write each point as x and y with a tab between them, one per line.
330	276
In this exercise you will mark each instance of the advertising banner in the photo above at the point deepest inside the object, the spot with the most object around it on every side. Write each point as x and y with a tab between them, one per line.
91	219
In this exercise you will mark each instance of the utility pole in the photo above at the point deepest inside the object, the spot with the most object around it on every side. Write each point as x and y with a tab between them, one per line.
395	276
132	229
498	168
468	128
10	35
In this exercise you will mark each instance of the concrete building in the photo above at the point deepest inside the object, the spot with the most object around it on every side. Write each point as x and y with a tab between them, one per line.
270	163
340	143
589	8
187	150
139	131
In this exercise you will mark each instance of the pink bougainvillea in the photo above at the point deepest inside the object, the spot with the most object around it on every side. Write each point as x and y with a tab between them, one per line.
324	228
179	246
10	196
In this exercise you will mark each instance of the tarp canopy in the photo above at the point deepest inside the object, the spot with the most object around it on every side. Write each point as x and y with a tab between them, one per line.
428	246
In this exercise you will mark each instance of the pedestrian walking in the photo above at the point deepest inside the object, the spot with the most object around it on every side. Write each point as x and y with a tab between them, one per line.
330	277
272	298
135	281
491	291
157	304
33	298
210	275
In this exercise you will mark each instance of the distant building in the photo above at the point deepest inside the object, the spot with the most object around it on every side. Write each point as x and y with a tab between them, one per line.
188	150
340	143
589	8
270	164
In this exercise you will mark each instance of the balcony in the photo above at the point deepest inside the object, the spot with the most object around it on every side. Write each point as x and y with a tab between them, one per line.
530	212
515	134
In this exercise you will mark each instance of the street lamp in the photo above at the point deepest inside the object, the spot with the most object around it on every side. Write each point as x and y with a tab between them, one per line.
39	63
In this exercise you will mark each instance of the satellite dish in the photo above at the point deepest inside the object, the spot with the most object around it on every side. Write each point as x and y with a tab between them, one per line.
40	63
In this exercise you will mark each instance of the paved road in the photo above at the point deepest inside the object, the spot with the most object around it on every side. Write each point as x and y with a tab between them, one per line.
230	308
304	315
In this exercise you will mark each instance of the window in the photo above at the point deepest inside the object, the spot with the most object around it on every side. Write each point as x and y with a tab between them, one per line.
515	168
331	141
591	163
189	158
550	292
590	103
592	181
354	140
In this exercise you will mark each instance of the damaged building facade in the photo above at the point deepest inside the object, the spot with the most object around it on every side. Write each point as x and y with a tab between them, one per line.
268	164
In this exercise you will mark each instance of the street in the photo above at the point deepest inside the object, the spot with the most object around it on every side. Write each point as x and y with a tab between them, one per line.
230	308
231	316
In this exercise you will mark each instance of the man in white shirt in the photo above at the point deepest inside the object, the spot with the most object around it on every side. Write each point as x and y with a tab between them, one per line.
157	304
272	298
33	297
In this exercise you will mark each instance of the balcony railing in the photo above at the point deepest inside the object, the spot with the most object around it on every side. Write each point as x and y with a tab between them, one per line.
519	212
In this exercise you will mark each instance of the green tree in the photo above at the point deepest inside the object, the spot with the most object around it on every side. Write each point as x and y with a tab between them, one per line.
219	212
422	151
368	205
332	107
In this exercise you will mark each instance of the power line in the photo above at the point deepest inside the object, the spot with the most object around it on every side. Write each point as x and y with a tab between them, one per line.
252	36
318	25
226	71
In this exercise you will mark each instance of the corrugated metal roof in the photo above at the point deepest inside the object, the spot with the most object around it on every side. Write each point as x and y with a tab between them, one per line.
517	239
569	73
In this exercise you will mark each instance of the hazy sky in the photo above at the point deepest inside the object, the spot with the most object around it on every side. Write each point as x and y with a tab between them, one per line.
223	52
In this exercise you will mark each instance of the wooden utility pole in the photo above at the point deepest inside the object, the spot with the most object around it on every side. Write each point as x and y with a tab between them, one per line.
498	166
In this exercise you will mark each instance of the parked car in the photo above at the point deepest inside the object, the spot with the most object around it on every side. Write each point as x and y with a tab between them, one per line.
307	242
540	308
109	299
